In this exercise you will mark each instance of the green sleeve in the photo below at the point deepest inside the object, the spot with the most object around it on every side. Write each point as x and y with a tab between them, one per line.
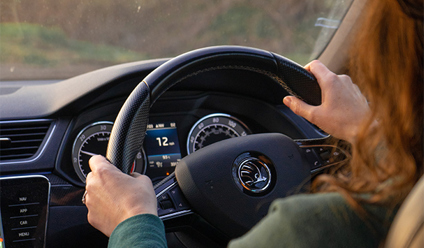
144	230
318	220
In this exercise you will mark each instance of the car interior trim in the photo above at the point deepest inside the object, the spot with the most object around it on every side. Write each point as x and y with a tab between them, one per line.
173	215
335	55
43	145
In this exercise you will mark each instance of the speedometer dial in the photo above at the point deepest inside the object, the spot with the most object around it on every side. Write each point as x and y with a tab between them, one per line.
214	128
93	140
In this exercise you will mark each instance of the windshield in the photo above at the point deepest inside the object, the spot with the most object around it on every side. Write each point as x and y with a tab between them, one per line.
53	39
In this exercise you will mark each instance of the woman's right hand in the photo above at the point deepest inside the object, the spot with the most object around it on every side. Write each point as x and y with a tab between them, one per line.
113	196
343	106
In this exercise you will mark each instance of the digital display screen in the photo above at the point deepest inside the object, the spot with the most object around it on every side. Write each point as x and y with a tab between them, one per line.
162	148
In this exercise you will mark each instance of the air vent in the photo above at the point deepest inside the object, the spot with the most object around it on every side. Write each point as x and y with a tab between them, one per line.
21	140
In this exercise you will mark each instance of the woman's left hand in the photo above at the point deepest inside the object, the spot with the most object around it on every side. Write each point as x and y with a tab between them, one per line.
113	196
343	108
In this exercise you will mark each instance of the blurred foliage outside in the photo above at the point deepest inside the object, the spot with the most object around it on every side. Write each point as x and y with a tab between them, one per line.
51	39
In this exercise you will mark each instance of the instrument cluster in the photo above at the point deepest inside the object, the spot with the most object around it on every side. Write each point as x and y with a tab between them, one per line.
162	148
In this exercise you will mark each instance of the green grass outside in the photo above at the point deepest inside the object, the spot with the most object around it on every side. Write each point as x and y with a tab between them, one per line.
36	45
242	22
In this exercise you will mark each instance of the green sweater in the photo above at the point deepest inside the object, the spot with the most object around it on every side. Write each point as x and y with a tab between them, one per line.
318	220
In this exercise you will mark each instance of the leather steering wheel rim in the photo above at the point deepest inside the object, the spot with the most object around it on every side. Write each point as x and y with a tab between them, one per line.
129	130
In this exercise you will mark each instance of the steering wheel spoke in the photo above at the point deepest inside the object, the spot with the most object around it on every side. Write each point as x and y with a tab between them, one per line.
171	201
324	153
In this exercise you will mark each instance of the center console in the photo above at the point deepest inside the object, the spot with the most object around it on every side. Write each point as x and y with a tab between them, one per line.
24	208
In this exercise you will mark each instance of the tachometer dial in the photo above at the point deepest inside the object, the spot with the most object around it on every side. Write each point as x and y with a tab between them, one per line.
214	128
93	140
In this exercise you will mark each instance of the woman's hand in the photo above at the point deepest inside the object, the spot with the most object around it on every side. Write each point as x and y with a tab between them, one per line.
343	107
113	196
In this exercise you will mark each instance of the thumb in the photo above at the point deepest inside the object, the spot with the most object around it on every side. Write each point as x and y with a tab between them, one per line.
98	161
298	107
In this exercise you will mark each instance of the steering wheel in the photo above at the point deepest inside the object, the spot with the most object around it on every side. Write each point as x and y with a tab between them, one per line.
232	191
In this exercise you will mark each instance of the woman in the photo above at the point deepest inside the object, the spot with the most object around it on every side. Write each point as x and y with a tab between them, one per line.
355	205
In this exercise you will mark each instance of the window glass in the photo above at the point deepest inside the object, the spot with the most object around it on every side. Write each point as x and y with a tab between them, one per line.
51	39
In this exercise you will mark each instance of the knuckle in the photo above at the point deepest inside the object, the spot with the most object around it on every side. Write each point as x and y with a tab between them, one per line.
88	186
333	78
102	170
357	88
296	108
143	177
310	115
344	77
90	219
329	79
89	176
314	63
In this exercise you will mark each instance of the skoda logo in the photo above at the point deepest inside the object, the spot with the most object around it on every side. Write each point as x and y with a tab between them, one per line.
254	175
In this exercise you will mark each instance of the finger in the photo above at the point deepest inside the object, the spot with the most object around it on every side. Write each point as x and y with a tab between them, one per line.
141	177
90	182
308	66
88	177
299	107
85	197
321	72
98	161
136	174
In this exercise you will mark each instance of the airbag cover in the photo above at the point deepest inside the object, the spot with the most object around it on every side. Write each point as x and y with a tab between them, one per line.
207	181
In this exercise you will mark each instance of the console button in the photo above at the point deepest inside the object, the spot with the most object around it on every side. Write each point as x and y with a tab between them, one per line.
23	234
23	222
164	197
24	210
312	158
21	197
162	211
179	199
166	204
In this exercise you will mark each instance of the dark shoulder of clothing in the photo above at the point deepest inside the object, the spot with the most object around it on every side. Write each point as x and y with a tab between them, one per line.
318	220
144	230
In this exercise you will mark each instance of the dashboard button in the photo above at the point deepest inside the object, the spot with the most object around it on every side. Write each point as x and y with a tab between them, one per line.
166	204
164	197
23	234
24	210
23	222
22	199
179	199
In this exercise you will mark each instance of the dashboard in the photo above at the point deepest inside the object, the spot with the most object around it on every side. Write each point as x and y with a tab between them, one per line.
162	149
202	119
75	117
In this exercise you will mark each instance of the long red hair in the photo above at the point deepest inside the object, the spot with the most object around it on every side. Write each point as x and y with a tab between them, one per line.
387	64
